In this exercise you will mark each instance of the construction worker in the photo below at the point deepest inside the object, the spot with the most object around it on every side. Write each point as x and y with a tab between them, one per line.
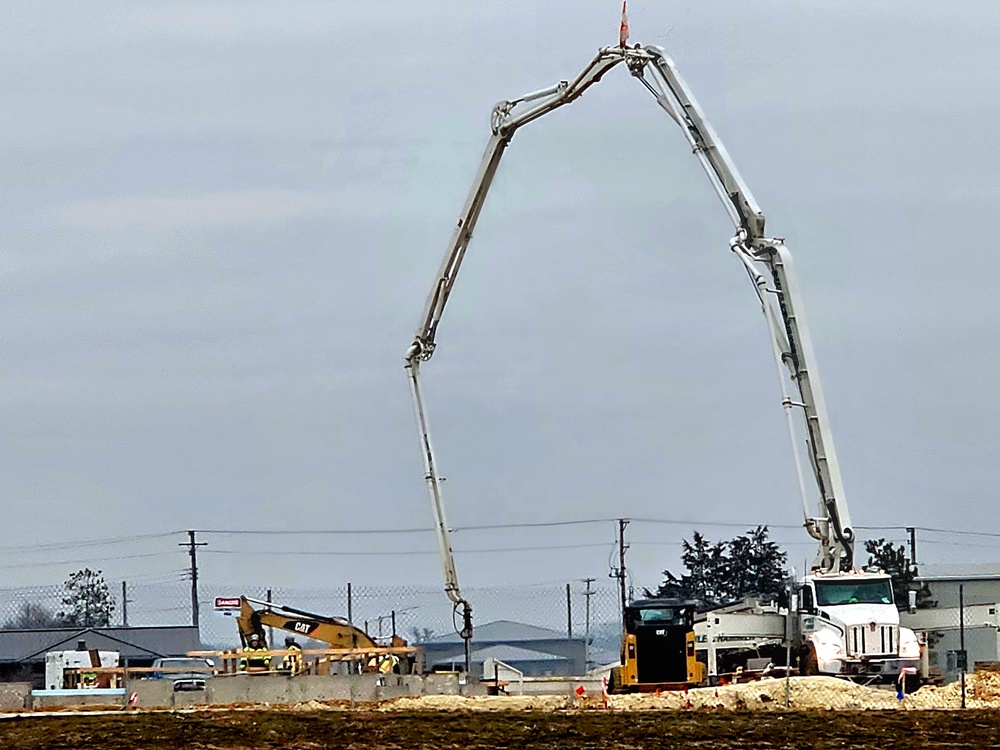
257	658
388	663
292	663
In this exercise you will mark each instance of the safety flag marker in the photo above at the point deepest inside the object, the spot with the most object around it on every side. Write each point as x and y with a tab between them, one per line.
623	29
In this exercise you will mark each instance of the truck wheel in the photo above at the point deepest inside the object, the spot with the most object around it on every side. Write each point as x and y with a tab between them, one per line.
912	683
808	663
615	681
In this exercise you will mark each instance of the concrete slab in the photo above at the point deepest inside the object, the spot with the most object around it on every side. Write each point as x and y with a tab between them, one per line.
96	697
152	693
441	684
15	695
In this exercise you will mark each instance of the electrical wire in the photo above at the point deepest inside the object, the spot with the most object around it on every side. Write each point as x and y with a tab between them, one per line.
92	543
367	553
573	522
52	563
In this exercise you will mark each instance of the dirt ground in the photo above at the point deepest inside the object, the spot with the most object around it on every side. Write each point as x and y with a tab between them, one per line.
826	713
380	730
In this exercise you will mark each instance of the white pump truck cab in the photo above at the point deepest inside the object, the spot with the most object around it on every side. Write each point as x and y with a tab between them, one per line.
850	626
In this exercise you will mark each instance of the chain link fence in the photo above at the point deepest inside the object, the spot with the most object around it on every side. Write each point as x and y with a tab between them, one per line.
961	645
423	613
418	613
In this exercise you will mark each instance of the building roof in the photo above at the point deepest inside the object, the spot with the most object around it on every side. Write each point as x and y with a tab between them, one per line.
131	643
503	630
513	654
959	572
508	654
604	656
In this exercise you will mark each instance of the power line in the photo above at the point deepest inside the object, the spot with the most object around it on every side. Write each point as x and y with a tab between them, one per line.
723	524
571	522
52	563
419	530
369	553
92	543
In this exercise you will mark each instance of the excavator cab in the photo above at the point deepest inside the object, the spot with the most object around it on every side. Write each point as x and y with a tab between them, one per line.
658	651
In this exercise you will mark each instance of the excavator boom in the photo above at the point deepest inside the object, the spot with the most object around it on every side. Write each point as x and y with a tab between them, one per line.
332	630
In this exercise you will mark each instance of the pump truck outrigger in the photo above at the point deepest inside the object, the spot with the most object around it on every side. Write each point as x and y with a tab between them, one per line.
835	633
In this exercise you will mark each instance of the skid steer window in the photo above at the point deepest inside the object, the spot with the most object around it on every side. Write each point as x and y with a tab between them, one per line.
660	616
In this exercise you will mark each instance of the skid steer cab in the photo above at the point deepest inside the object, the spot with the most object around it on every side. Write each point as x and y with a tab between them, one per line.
657	648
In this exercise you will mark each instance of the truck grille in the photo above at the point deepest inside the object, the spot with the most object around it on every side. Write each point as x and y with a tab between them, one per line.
866	640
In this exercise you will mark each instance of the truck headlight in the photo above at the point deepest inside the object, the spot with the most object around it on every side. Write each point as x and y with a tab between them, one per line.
828	644
909	646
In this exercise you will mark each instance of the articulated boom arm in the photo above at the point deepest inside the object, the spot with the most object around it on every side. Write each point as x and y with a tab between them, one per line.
504	123
332	630
791	343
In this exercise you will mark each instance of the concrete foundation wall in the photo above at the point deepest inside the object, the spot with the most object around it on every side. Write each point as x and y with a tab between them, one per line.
56	701
282	690
269	689
14	695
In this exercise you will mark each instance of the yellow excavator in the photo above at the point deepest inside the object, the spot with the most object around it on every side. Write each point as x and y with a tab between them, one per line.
334	631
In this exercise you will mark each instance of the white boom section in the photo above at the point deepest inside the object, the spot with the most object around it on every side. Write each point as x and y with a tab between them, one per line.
831	525
504	123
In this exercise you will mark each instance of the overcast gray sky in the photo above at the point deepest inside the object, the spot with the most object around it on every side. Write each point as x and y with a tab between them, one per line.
219	222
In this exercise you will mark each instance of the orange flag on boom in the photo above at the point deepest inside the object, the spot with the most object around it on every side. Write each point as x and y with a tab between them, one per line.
623	31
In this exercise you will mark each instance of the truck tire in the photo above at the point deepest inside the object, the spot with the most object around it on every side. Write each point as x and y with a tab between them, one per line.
808	663
615	681
912	683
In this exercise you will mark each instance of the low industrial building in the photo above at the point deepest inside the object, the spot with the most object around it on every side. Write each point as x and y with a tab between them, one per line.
978	586
533	651
22	652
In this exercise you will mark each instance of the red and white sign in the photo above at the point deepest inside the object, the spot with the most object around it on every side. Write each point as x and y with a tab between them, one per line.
227	602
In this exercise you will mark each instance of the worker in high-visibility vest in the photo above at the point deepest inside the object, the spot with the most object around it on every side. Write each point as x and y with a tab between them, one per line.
292	663
256	657
388	663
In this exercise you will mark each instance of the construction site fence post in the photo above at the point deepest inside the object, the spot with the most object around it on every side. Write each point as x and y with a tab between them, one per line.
963	663
792	607
569	613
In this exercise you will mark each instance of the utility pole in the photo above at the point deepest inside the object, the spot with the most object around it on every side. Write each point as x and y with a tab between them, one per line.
192	546
913	546
586	626
270	630
620	573
124	605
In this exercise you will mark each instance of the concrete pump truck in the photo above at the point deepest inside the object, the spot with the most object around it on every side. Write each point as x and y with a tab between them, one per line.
843	620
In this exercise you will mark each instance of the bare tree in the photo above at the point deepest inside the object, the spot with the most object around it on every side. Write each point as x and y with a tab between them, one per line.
31	616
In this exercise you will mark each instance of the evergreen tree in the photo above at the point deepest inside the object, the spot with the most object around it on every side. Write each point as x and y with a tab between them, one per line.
893	560
88	602
725	571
